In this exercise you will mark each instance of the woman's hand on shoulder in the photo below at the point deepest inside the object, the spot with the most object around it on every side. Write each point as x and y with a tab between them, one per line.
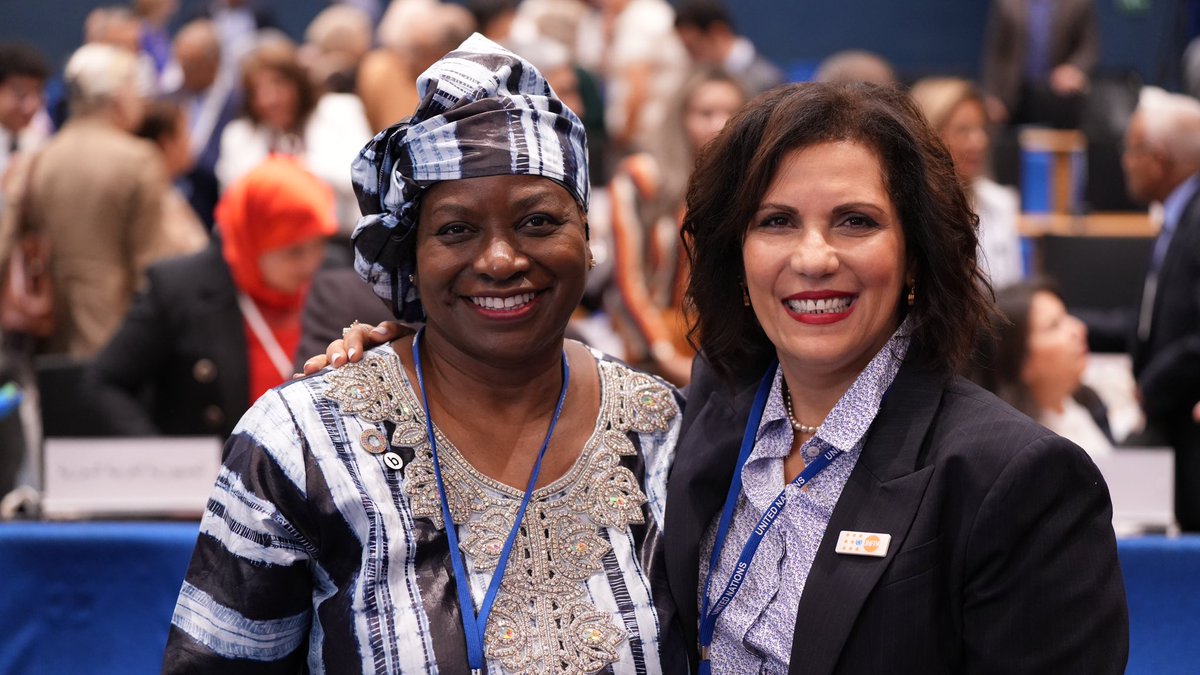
356	339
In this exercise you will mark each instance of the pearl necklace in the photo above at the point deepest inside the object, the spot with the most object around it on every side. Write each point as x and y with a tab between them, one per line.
802	428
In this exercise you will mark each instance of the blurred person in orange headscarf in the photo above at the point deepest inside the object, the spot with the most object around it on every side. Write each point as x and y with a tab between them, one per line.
215	330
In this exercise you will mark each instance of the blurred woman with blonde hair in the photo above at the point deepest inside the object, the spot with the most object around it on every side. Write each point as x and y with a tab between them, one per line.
955	109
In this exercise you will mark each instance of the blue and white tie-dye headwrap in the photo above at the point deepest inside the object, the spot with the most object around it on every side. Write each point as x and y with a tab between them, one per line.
484	112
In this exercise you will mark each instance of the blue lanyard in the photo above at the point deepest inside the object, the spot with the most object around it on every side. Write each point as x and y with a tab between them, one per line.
475	624
708	619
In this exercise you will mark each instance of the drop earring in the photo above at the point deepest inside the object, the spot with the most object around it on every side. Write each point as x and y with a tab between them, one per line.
745	295
912	294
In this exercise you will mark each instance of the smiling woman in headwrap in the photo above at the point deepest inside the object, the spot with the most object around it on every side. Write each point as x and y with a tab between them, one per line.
484	494
216	329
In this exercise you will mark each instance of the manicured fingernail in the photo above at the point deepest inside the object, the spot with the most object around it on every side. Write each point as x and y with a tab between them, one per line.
350	354
379	330
337	358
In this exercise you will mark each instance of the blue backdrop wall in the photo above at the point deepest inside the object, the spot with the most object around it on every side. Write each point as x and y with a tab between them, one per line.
919	36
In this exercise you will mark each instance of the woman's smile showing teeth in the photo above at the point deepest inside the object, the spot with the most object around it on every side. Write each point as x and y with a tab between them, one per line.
822	306
511	303
819	308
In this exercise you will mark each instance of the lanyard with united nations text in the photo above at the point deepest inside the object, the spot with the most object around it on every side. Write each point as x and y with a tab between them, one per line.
708	618
474	624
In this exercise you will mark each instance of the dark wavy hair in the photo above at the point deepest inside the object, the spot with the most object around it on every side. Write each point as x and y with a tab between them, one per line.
1000	356
953	296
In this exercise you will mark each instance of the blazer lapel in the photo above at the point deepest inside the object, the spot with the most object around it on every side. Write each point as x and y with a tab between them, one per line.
226	338
714	422
881	495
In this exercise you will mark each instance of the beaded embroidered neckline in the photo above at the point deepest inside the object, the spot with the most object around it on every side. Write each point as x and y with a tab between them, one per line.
543	619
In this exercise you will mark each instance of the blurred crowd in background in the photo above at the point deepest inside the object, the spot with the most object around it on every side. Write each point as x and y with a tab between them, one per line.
192	177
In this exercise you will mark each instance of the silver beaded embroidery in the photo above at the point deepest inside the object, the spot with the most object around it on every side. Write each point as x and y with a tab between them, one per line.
542	620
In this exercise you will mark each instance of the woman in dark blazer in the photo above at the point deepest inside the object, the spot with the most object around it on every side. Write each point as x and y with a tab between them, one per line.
205	337
932	528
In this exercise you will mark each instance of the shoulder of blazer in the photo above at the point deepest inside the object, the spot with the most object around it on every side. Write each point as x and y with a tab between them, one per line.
975	426
202	274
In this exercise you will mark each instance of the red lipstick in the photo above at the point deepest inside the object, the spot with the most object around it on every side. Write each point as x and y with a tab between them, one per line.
820	308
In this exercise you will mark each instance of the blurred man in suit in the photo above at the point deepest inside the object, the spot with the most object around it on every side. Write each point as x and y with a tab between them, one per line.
1162	165
207	93
1037	58
707	32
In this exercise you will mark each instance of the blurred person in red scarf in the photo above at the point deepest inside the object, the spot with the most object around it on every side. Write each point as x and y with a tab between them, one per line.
215	330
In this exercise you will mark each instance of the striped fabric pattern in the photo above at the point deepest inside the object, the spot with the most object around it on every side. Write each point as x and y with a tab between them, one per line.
310	559
484	112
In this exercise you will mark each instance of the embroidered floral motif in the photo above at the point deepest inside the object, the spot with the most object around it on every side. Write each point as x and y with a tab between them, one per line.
642	403
542	620
376	389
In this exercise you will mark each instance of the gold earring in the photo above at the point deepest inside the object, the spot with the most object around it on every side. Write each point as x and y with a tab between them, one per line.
745	296
912	294
591	261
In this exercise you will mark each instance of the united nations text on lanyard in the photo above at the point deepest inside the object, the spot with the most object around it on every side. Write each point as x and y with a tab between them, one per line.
708	617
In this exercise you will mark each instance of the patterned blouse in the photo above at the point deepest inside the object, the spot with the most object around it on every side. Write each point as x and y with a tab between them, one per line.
754	633
314	556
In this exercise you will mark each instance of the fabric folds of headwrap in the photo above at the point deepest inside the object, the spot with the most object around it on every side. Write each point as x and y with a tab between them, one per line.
484	111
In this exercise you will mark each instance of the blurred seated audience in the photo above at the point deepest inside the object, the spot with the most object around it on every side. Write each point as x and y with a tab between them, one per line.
493	18
238	24
97	191
154	39
955	110
335	42
164	123
1035	362
1191	68
650	273
278	100
1162	166
209	96
1037	58
644	64
708	34
214	330
286	114
412	35
115	25
561	22
119	26
856	65
24	126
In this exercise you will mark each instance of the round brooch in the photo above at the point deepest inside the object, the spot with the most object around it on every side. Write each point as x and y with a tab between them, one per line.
373	441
